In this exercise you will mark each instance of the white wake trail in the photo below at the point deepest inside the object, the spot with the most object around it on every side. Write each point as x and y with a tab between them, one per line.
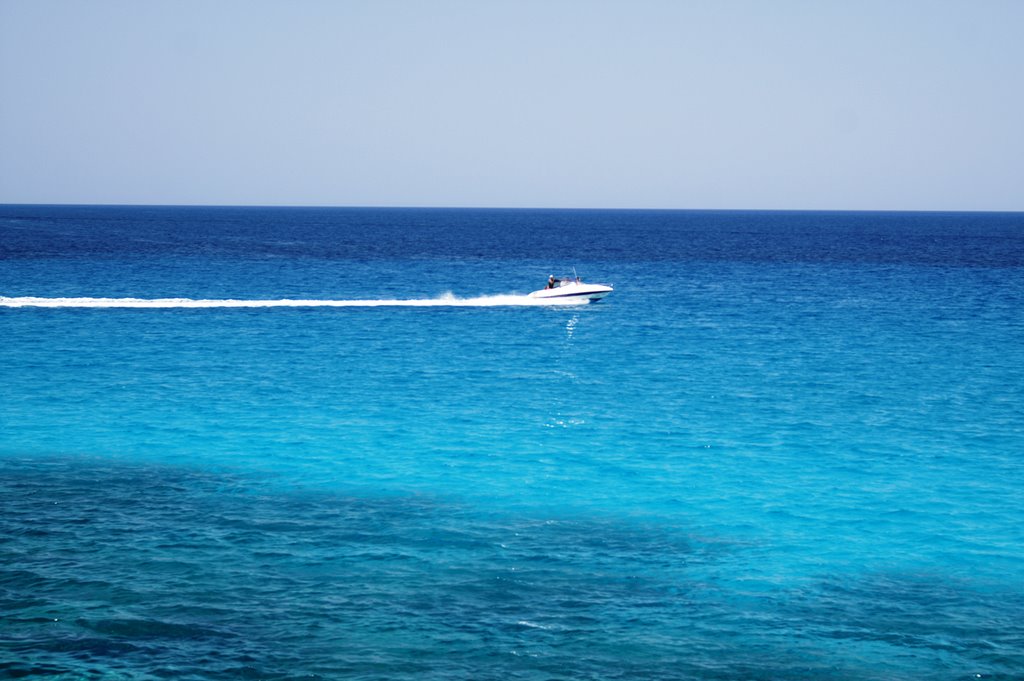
447	300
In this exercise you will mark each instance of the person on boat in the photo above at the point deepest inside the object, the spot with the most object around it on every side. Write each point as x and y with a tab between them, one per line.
552	281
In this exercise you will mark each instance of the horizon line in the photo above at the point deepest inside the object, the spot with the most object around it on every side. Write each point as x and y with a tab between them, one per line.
510	208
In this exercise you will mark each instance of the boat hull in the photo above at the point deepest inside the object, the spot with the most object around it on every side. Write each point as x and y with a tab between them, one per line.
581	292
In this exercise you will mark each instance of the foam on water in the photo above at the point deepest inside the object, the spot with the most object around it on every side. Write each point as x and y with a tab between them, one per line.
447	300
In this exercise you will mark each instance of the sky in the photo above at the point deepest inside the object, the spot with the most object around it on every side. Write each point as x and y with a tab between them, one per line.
781	104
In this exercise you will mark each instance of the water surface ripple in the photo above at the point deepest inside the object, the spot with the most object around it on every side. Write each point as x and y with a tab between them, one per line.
788	446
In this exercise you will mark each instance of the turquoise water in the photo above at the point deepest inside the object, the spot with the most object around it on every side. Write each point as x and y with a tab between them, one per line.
788	446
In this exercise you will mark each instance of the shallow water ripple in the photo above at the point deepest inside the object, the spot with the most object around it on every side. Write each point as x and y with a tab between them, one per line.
150	571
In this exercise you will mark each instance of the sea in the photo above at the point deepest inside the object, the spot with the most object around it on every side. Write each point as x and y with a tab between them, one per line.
343	443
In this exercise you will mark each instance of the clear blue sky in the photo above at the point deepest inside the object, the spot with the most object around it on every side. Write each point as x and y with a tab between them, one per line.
549	103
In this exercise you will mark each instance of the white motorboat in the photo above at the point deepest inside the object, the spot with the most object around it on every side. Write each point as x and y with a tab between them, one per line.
571	288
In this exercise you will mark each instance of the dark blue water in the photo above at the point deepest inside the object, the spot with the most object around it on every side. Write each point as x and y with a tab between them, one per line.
788	446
